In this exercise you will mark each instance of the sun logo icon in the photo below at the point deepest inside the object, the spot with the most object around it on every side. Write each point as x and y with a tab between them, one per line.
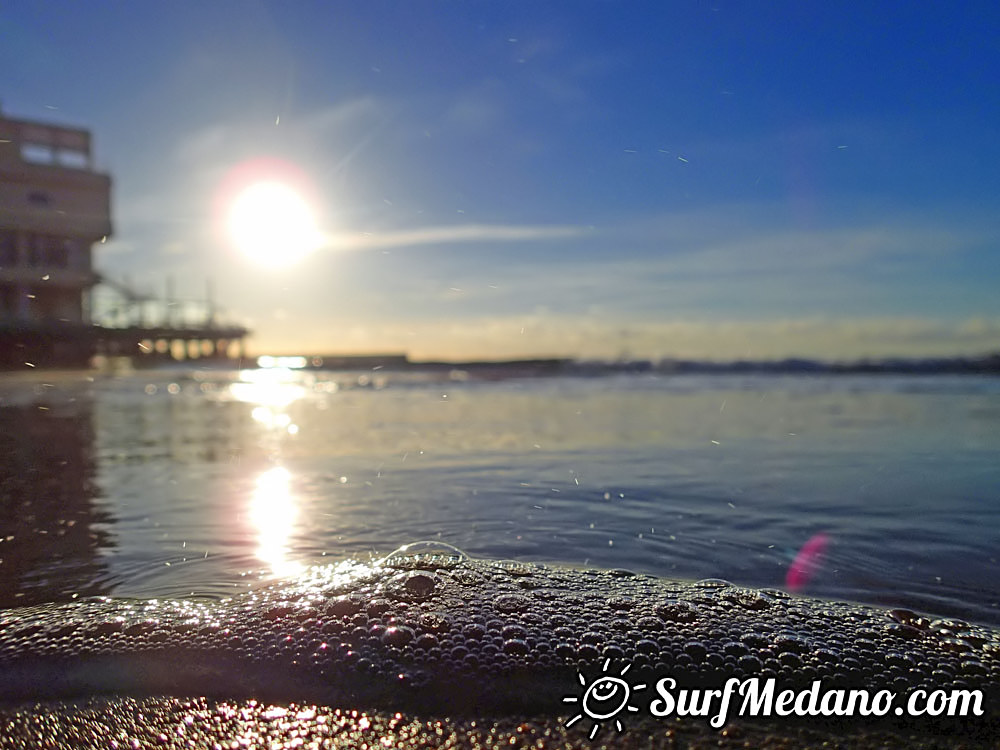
603	699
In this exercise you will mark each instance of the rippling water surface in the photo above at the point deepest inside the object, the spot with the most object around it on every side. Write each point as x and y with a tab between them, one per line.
164	484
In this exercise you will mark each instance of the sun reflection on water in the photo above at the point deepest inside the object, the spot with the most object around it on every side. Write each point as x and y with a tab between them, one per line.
275	387
272	390
273	512
273	508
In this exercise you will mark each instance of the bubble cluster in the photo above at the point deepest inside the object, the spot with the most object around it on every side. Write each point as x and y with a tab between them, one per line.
428	627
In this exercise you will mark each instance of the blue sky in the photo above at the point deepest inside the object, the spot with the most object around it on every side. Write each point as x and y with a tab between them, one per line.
500	179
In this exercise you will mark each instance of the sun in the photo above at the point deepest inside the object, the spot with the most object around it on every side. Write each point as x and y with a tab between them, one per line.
272	224
603	698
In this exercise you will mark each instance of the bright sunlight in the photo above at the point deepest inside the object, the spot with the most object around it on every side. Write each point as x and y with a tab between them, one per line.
273	225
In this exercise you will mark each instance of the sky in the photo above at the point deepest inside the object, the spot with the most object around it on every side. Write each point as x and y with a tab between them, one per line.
705	179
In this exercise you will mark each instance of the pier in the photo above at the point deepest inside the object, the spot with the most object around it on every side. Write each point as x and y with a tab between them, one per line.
152	329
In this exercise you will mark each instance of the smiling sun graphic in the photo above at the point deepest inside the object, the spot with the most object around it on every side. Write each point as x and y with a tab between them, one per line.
603	699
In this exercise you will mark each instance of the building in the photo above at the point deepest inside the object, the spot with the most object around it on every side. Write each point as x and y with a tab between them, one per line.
53	207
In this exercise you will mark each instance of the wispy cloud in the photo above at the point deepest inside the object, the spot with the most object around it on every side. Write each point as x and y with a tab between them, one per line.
669	271
472	233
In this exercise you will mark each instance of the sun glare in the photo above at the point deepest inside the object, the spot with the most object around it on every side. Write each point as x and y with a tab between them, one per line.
273	512
273	225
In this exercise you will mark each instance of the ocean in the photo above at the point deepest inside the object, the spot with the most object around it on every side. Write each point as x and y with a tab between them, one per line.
173	483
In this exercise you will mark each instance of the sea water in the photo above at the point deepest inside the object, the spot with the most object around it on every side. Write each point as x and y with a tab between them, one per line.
204	482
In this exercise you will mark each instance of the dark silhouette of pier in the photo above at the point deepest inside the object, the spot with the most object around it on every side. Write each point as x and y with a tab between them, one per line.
148	329
151	329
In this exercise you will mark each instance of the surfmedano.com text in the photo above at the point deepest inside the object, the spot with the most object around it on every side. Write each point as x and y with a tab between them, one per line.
759	697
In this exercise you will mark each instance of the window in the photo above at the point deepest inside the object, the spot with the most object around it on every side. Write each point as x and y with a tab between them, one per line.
35	250
72	159
73	253
55	253
36	153
8	305
8	248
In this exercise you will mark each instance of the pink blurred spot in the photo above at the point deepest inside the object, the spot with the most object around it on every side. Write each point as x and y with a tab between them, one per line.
806	562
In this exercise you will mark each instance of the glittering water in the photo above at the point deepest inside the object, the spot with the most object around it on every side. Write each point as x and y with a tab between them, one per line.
162	483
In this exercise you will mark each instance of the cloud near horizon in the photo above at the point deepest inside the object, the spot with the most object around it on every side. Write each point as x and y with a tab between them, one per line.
543	334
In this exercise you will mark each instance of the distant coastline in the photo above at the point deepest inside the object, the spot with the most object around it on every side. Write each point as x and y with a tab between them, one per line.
988	364
985	364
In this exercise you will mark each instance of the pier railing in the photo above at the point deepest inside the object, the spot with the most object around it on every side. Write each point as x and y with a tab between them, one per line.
122	323
130	323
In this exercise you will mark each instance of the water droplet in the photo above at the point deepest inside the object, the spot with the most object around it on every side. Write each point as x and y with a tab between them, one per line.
473	631
696	650
27	631
791	643
511	603
904	631
949	626
342	606
732	648
909	617
776	593
426	641
649	625
62	631
971	666
514	568
377	607
973	640
613	652
647	646
565	651
435	621
516	647
108	627
513	631
466	576
790	660
397	636
425	554
140	628
955	645
755	640
678	611
712	583
275	613
748	598
420	581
